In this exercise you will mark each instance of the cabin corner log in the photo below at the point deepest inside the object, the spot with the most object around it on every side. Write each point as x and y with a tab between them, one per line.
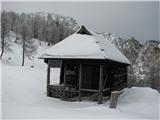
100	93
80	82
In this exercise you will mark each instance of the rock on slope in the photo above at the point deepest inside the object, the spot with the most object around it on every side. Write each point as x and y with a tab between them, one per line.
147	64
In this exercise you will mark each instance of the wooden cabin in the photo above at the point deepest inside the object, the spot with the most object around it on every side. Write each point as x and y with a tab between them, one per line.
90	65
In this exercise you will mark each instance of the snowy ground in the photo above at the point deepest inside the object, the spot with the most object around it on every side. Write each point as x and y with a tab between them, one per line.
24	96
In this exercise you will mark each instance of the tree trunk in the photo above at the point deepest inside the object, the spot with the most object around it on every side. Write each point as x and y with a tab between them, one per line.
2	47
23	52
2	52
40	42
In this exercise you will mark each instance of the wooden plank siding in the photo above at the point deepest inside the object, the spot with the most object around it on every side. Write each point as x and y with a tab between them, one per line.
90	76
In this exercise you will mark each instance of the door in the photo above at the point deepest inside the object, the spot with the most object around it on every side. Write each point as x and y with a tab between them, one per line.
72	74
90	77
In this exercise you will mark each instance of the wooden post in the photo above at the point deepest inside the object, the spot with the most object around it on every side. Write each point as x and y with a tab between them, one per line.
126	79
48	74
80	82
64	83
48	79
64	75
100	92
114	99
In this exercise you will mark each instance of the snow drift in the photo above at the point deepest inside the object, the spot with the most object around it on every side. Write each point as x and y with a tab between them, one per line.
24	97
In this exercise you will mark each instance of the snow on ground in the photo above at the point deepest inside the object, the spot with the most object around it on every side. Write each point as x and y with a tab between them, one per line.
14	57
24	96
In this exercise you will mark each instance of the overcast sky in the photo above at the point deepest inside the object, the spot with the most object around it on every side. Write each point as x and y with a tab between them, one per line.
138	19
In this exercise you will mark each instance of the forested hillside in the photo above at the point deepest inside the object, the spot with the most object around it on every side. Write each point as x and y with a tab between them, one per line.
26	35
47	27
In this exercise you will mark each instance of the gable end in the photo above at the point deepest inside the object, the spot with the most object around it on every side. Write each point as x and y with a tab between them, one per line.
83	30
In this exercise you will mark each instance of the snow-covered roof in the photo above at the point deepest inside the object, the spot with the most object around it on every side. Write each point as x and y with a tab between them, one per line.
85	44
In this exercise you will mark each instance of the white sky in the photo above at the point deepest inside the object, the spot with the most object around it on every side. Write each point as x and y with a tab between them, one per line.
138	19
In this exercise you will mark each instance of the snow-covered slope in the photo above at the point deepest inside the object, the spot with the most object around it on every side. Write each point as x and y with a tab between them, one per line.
13	56
24	97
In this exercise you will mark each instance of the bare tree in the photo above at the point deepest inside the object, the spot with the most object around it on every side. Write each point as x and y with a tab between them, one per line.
51	28
5	28
17	27
31	46
12	17
26	35
152	74
42	28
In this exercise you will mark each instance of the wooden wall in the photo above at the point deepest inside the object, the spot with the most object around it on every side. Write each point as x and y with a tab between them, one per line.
114	73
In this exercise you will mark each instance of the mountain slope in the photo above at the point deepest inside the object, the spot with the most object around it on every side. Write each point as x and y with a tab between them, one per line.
145	59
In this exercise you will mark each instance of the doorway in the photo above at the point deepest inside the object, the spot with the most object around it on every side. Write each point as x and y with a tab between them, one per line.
90	77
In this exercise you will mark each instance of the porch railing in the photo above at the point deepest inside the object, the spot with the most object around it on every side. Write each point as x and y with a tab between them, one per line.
66	92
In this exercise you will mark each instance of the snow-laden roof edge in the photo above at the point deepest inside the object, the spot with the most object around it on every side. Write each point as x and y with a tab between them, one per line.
125	60
95	46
